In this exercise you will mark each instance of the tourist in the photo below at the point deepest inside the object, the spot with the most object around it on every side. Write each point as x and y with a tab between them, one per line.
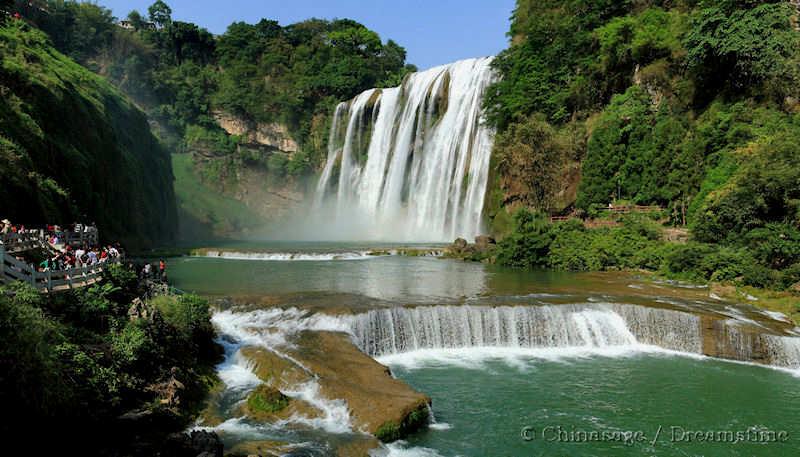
6	226
79	253
146	271
92	257
162	268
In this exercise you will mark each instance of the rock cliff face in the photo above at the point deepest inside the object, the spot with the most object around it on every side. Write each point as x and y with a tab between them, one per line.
271	135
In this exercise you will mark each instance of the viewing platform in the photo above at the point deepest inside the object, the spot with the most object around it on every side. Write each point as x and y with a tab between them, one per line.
14	267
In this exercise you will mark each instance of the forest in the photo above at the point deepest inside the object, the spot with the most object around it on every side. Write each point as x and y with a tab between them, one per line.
689	105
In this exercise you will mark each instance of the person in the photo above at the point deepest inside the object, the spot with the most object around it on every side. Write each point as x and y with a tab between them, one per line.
6	226
79	256
162	268
146	271
92	257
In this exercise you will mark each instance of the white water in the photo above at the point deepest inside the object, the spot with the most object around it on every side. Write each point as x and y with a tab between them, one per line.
570	328
269	329
290	256
410	163
469	336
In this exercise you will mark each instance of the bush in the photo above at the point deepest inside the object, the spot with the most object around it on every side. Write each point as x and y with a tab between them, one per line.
529	245
190	317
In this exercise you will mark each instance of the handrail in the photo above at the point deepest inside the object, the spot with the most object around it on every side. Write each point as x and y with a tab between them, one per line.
12	269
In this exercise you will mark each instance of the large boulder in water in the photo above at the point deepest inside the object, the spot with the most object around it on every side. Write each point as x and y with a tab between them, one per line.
378	403
484	243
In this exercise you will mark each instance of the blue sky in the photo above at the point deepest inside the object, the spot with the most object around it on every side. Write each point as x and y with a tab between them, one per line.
434	32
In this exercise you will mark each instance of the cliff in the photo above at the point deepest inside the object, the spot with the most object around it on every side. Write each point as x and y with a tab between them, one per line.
73	148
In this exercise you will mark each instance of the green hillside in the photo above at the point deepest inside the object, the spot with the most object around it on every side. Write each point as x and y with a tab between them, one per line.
73	148
688	105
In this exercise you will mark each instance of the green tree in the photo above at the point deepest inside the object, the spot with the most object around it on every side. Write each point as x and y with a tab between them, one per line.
160	14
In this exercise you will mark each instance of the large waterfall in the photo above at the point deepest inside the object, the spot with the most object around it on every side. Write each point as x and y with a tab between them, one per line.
411	162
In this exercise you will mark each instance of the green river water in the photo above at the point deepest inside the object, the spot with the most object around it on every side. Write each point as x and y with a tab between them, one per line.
495	402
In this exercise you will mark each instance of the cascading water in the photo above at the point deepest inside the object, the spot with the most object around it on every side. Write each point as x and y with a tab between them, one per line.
398	330
411	163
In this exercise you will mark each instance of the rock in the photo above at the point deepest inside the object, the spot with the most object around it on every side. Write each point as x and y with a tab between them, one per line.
168	391
261	448
142	310
274	369
195	444
484	243
377	401
795	287
272	135
460	244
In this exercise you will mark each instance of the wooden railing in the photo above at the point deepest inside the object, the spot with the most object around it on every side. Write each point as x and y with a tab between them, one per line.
12	269
32	239
631	209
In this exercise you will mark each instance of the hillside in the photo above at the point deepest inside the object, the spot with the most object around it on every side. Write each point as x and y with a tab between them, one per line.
656	102
688	105
251	107
73	148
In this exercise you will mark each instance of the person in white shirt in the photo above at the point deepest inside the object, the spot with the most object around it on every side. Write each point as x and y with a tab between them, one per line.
79	257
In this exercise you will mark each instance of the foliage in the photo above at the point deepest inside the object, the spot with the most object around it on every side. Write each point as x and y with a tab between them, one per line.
745	47
531	155
104	163
529	244
78	360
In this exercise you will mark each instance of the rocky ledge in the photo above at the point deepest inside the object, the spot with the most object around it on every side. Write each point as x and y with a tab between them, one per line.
378	403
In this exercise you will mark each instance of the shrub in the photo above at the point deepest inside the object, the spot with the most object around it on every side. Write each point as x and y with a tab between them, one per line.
529	245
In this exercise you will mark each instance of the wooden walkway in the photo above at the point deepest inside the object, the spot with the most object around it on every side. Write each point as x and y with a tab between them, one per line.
14	269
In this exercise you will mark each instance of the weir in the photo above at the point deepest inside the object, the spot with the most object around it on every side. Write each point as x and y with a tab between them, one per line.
411	163
591	326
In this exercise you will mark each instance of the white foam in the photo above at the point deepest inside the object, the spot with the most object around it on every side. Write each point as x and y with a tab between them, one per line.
440	426
778	316
269	329
290	256
401	449
237	373
522	358
335	413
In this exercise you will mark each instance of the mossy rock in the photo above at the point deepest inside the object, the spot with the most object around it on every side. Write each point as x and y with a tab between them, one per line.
266	400
392	431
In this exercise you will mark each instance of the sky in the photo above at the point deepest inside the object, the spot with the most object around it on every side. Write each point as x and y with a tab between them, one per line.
434	32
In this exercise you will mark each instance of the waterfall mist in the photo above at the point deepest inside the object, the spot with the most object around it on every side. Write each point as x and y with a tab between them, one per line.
409	163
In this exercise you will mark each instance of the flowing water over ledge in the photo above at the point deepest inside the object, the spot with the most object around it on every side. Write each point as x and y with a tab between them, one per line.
498	350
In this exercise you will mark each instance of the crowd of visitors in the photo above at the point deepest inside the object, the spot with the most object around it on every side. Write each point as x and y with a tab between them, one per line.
83	256
74	247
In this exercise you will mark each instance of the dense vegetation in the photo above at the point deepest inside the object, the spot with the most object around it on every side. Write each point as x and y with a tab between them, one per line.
89	360
690	105
73	148
264	72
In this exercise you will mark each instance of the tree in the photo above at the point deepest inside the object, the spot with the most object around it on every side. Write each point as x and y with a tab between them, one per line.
136	20
160	14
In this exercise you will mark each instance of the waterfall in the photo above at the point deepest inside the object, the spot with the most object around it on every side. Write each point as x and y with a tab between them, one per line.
396	330
411	162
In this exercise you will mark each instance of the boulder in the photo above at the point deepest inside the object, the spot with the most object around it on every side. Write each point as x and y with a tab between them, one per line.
380	404
484	243
195	444
459	244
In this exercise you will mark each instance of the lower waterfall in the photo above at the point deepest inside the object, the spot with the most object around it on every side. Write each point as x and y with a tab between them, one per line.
410	163
396	330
